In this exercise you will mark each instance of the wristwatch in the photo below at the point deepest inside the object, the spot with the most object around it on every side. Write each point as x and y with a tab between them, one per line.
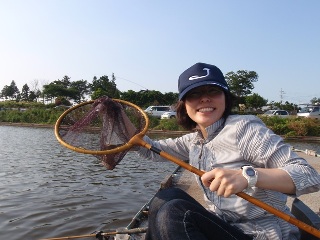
251	175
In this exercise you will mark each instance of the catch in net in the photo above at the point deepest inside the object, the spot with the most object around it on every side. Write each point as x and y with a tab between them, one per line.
102	128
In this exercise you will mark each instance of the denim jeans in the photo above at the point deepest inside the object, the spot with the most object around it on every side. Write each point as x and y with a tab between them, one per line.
173	214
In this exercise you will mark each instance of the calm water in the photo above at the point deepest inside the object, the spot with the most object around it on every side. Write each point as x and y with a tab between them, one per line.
48	191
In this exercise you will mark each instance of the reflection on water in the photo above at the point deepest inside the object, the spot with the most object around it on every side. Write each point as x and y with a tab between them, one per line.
47	190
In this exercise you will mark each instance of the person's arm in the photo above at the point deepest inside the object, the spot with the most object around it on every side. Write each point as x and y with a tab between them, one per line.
227	181
275	179
280	166
178	147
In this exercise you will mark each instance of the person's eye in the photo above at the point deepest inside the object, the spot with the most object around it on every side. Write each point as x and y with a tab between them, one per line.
194	94
214	92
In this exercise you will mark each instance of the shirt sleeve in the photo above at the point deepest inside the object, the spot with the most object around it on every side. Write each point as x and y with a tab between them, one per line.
178	147
260	146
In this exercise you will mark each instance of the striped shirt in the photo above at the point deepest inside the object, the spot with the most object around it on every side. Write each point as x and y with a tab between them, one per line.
239	141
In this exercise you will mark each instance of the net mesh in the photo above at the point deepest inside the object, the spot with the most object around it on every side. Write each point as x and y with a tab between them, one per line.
104	124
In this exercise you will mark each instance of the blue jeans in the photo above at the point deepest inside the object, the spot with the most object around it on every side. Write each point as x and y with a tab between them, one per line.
174	214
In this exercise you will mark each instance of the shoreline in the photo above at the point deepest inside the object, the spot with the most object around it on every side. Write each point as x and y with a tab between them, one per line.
157	132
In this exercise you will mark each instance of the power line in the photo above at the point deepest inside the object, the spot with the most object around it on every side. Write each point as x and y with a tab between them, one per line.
117	77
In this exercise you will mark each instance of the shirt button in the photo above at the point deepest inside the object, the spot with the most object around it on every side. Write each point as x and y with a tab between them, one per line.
302	184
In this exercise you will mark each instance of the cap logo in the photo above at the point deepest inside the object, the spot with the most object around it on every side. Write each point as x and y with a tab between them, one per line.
194	77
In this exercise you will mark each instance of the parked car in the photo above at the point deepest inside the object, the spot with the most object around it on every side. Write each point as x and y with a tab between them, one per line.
63	107
310	111
278	113
168	115
157	111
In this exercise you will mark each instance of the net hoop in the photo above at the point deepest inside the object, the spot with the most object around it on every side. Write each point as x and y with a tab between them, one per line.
124	147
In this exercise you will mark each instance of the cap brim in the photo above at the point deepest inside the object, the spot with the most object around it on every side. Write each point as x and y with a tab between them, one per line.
199	84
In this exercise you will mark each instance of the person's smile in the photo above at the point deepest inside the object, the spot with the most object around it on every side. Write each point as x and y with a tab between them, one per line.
205	105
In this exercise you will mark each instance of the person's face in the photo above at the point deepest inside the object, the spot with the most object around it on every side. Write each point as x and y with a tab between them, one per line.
205	105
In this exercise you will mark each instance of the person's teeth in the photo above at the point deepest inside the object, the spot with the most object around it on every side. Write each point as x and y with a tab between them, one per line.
205	109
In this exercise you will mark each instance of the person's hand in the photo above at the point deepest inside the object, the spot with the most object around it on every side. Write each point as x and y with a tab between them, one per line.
224	181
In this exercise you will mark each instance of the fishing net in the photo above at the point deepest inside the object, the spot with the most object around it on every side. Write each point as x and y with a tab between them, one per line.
102	128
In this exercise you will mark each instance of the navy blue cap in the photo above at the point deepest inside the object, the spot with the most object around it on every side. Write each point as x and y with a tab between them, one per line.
198	75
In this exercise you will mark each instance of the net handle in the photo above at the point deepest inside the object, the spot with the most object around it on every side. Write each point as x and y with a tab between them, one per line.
96	152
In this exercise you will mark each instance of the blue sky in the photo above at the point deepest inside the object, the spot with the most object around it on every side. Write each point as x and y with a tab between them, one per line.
148	44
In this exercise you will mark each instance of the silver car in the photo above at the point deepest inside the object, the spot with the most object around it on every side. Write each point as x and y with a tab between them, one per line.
277	113
168	115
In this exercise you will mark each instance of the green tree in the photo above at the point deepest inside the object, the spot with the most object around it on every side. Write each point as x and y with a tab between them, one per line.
32	96
63	89
133	97
171	98
5	92
25	93
54	89
284	106
255	101
241	83
65	81
145	98
11	91
80	89
104	87
315	100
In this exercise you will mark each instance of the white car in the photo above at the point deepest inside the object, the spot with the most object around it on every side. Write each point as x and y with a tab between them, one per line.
157	111
312	111
168	115
277	113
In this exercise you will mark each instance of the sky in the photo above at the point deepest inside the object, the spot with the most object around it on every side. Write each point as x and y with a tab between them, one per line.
148	44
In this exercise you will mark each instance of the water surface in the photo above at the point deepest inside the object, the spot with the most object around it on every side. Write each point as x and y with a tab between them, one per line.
47	190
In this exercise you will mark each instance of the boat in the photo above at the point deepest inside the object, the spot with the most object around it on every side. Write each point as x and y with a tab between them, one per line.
186	181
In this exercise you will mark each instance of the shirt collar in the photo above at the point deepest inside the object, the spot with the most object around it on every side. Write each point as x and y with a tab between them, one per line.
213	128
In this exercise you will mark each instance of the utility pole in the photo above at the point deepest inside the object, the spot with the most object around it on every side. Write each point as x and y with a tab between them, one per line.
281	95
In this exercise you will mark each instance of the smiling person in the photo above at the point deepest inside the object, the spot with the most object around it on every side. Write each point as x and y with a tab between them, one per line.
237	153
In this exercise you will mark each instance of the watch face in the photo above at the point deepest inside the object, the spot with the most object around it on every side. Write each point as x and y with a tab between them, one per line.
250	172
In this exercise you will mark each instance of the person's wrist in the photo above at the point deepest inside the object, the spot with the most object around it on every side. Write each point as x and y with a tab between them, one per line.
251	175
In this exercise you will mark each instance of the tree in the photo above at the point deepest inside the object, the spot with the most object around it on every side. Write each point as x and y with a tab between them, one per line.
132	96
5	92
255	101
65	81
284	106
62	89
315	100
54	89
32	96
145	98
25	92
79	88
171	98
11	91
104	87
241	82
34	91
